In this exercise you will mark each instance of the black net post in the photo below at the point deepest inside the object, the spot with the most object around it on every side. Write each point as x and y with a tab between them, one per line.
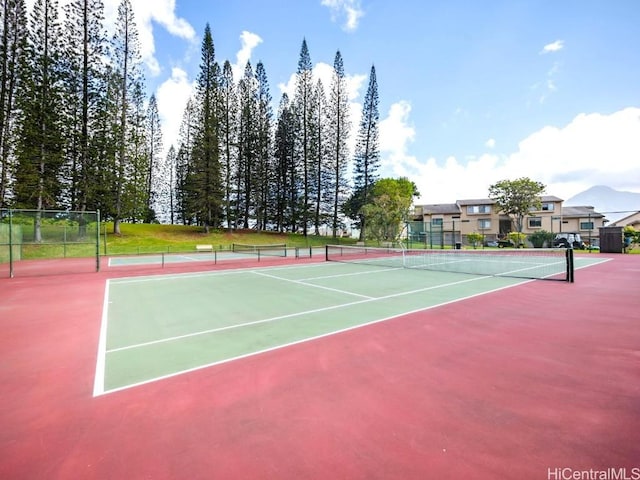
570	266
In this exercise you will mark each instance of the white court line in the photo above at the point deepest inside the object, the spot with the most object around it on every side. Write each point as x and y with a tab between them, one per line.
216	273
292	315
300	282
340	275
98	382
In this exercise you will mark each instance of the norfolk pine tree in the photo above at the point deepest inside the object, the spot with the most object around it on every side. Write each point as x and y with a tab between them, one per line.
246	178
303	108
85	45
168	194
135	196
286	174
205	178
263	120
367	152
228	136
184	165
126	61
12	51
40	142
320	173
339	126
157	173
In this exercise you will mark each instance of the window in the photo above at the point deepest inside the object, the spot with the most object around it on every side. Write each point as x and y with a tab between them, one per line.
535	222
547	207
586	226
471	209
484	224
436	222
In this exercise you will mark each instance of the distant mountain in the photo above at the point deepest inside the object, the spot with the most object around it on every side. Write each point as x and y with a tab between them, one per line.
614	204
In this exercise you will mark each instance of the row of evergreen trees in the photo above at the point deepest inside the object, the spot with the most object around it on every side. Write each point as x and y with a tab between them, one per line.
78	132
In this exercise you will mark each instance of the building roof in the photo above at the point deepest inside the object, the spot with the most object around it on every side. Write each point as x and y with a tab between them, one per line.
477	201
489	201
440	209
633	220
584	211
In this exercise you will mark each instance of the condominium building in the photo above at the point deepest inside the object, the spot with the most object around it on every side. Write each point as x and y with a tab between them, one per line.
450	223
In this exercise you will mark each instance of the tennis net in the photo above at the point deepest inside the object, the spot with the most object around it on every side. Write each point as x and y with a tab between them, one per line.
534	263
273	249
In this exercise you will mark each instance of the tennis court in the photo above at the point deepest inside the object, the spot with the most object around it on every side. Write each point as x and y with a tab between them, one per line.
160	326
373	367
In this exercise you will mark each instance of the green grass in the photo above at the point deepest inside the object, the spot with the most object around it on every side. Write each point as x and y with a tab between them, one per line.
155	238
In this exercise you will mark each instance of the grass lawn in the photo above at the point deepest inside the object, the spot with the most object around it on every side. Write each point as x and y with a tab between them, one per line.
155	238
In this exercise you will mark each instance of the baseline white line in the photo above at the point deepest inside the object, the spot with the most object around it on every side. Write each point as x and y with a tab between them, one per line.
188	275
98	382
291	315
300	282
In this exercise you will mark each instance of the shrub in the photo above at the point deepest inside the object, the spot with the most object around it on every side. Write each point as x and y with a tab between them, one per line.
517	238
475	238
539	238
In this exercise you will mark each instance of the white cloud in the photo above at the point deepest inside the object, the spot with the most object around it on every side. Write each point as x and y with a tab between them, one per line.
593	149
396	134
147	12
349	10
491	143
543	90
172	97
248	42
553	47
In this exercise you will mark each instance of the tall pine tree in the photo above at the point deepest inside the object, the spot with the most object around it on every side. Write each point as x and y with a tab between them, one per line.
184	192
157	172
319	156
367	151
339	125
205	177
303	107
85	46
13	41
125	53
228	137
264	168
286	187
40	142
246	178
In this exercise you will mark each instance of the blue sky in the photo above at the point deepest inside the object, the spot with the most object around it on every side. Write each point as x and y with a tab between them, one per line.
470	92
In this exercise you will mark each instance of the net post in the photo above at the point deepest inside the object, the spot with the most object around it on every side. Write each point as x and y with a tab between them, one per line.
326	253
570	266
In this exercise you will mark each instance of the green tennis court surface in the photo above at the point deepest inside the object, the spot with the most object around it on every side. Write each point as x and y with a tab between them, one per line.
157	327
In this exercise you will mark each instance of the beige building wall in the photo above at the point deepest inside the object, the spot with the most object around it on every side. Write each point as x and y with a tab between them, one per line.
480	215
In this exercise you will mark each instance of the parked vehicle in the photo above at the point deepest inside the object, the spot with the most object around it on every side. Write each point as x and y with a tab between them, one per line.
569	240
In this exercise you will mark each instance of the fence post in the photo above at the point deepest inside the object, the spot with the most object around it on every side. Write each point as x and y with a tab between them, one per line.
10	245
98	241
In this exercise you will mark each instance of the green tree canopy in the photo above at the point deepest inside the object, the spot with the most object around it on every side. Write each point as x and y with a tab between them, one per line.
517	197
388	208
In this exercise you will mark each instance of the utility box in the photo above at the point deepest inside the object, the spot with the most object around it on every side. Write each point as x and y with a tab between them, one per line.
611	240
